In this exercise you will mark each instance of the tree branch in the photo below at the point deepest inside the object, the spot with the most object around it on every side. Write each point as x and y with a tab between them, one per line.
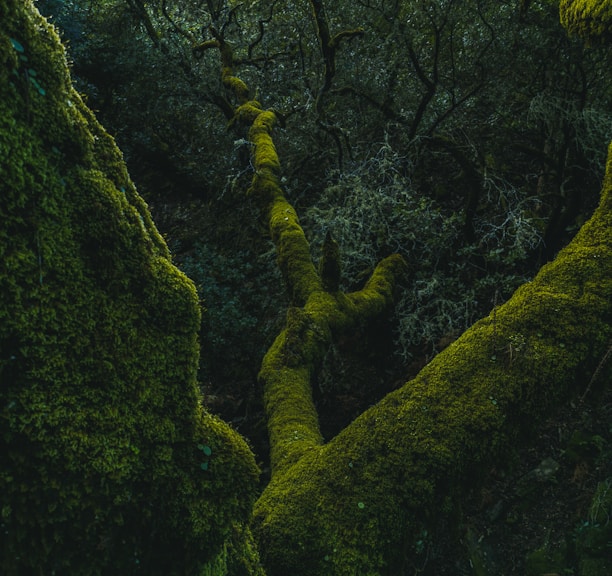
328	46
361	503
319	312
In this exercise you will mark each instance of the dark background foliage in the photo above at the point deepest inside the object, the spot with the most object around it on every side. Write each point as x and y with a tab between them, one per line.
468	136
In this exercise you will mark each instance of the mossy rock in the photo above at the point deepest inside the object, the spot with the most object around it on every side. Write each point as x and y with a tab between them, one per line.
100	471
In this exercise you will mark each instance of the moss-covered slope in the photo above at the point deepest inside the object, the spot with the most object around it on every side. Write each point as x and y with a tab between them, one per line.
108	463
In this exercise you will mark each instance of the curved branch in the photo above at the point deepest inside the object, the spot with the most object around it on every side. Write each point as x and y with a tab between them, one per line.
319	311
328	46
431	85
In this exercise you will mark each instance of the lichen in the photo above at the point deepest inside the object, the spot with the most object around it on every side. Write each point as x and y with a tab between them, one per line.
100	414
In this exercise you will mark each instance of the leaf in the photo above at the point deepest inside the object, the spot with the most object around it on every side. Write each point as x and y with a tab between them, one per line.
17	45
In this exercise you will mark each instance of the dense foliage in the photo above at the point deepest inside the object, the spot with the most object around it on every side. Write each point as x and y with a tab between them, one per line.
468	136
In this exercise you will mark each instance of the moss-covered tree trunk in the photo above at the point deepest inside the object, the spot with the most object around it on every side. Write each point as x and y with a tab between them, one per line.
368	501
108	463
365	502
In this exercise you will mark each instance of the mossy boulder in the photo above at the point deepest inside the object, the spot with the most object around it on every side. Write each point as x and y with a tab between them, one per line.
108	462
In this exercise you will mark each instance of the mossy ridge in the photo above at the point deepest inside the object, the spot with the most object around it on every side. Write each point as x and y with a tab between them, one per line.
100	470
436	434
591	20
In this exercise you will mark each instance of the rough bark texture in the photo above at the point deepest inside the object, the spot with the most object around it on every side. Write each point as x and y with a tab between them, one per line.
108	462
365	502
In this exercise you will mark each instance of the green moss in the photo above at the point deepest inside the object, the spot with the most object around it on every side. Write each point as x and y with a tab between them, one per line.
293	250
233	84
100	415
589	19
318	312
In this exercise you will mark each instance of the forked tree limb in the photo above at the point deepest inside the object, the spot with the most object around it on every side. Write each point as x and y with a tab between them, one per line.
373	500
320	311
370	500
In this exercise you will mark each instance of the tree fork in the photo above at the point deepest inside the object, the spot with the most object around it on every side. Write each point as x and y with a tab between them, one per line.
320	311
372	500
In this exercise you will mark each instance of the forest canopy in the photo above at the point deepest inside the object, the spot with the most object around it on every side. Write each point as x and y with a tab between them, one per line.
447	129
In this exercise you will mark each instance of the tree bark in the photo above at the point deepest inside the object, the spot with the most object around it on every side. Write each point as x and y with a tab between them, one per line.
367	501
370	500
